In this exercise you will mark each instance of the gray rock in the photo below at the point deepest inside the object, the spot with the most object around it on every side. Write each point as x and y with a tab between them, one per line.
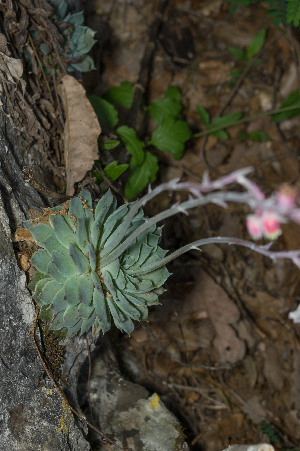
126	411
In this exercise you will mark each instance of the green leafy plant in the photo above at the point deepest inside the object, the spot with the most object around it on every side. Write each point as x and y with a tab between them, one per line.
79	280
252	50
280	11
270	432
77	40
170	135
290	107
219	123
99	263
112	170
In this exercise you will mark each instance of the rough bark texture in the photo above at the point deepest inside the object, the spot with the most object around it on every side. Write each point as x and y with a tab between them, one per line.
32	414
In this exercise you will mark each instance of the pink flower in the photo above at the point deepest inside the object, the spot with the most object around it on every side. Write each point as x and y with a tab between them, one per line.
265	224
254	226
270	225
286	196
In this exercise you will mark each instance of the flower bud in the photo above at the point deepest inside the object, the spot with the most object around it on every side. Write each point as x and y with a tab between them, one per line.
270	225
254	226
286	196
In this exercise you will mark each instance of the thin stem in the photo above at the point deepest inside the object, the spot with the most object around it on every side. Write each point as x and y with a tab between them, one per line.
247	119
194	188
220	198
264	250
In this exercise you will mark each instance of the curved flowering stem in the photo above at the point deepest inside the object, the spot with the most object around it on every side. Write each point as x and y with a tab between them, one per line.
219	198
196	189
269	212
264	250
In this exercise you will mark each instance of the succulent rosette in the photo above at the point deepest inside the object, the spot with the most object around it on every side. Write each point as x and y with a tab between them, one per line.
86	273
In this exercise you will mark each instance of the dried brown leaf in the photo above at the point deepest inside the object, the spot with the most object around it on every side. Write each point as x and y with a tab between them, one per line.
81	131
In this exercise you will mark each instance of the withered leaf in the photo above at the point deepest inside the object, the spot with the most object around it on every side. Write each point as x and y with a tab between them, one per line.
81	131
12	67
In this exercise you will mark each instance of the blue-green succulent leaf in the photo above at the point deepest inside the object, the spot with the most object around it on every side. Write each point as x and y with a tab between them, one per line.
108	281
71	316
40	260
76	208
96	281
45	314
52	244
72	331
85	311
131	310
92	257
126	325
80	260
41	232
86	197
87	323
82	234
114	310
59	303
65	264
58	322
101	309
85	288
38	288
63	231
48	292
71	290
55	274
36	278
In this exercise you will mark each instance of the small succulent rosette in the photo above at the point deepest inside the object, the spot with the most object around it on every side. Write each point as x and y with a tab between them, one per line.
86	274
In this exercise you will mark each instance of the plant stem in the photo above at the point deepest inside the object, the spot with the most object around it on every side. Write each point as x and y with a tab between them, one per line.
247	119
264	250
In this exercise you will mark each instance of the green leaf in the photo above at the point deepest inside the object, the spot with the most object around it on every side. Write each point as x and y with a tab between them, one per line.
62	230
259	136
237	53
45	313
48	292
162	108
105	111
220	134
80	260
60	9
227	120
292	99
173	93
132	143
71	290
40	260
64	264
257	43
76	18
109	145
170	136
121	95
141	176
113	171
204	114
86	64
293	12
85	288
235	73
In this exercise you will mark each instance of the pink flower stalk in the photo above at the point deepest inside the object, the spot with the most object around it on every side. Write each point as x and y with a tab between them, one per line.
286	197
